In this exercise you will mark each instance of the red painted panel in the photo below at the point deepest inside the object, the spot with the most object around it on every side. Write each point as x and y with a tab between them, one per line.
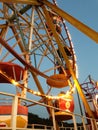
7	110
12	70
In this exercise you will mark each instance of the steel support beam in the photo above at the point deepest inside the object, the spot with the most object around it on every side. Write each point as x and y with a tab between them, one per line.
31	2
48	19
73	21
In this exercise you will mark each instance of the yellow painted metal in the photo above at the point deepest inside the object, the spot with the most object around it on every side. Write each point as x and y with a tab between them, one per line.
32	2
51	26
73	21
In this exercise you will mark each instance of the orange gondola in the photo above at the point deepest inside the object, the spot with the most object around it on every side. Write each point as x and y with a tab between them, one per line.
14	71
57	80
5	116
66	104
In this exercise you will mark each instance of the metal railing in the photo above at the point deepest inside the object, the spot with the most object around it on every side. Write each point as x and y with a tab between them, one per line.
92	126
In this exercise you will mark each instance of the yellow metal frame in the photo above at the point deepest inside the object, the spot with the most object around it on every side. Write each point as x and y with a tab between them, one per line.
51	26
31	2
73	21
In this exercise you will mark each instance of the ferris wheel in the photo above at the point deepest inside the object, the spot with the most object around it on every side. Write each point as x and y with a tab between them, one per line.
36	47
28	40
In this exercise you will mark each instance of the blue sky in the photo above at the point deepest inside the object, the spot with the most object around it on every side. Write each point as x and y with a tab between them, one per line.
85	48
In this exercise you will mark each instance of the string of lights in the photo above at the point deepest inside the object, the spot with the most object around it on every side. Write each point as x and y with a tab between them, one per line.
15	83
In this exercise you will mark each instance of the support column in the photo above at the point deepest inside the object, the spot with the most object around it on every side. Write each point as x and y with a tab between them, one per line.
53	118
14	112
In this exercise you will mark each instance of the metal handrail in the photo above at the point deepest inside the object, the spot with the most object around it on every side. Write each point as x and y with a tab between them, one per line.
15	103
